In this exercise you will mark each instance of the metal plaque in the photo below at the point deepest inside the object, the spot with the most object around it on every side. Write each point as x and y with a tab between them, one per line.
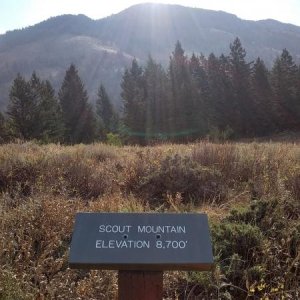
141	241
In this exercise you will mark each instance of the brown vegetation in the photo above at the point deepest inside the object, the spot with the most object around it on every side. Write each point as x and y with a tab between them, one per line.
251	193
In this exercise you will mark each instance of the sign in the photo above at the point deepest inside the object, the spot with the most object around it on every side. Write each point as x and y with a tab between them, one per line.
141	241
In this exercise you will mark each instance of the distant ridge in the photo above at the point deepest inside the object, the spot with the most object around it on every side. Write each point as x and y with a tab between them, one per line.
101	49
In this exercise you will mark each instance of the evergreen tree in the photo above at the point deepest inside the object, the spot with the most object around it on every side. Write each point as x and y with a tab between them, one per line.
200	94
50	115
284	84
221	93
182	107
240	71
4	132
262	97
133	95
88	126
156	101
106	112
23	109
78	116
203	113
34	112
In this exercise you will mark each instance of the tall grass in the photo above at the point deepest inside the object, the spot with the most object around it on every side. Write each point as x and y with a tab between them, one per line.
251	193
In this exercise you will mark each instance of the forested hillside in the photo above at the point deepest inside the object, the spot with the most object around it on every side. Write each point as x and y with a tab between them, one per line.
221	97
194	97
101	49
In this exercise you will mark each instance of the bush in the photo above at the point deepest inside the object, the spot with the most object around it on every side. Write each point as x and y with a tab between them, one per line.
181	175
255	246
113	139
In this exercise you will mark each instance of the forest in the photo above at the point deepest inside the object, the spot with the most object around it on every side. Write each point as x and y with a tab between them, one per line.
192	98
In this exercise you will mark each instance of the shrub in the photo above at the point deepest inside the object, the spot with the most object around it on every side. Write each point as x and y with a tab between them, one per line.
113	139
181	175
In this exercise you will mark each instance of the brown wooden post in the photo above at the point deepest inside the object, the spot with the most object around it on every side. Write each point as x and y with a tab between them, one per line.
140	285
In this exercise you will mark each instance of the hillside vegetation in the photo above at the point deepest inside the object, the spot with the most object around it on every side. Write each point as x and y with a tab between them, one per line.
251	193
103	48
194	98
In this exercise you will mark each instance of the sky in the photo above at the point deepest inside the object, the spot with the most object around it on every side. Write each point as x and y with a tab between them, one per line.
16	14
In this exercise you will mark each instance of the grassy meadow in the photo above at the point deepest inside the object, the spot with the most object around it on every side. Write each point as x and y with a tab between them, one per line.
250	191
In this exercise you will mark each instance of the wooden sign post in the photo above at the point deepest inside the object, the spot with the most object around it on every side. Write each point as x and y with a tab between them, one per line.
137	285
141	247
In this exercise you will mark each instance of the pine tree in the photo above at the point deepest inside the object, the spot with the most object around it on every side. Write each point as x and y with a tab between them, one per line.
23	109
78	117
240	71
284	84
4	132
50	115
106	112
88	126
221	93
203	113
133	95
182	108
156	101
262	98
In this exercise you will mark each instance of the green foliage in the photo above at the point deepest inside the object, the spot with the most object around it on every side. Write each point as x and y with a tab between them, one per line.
181	106
239	239
216	97
156	99
113	139
239	74
50	116
253	215
220	97
4	129
108	117
252	244
23	109
10	287
78	116
217	135
133	94
262	98
284	85
34	112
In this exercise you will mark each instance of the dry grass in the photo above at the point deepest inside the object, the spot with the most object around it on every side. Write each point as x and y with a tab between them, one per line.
42	187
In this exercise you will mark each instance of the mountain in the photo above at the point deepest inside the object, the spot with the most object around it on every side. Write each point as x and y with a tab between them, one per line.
101	49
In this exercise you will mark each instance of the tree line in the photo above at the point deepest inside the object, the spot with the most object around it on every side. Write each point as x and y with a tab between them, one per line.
36	113
200	96
193	97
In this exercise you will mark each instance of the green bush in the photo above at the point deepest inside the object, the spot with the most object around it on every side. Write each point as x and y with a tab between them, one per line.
11	287
233	238
249	215
113	139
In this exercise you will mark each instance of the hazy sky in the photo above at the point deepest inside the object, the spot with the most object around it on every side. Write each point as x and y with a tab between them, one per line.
16	14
